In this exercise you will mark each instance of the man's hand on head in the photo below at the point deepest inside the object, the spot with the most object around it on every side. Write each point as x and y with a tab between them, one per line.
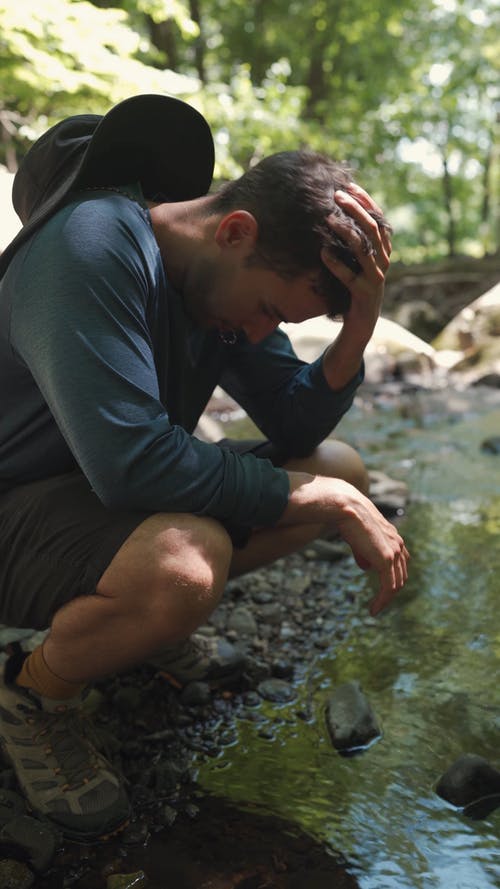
365	286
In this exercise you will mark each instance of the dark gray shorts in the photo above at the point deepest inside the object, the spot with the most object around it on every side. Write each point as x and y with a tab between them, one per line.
57	539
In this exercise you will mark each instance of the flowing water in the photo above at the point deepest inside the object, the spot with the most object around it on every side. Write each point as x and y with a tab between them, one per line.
429	666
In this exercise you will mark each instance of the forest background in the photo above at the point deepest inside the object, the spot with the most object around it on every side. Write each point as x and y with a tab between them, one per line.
406	91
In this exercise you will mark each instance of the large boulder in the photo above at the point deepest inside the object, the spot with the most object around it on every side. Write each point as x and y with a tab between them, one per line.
390	347
473	337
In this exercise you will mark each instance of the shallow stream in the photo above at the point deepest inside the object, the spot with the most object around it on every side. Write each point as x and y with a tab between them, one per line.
429	666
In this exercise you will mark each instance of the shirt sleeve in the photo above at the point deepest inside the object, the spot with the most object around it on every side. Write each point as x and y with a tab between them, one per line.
79	325
288	399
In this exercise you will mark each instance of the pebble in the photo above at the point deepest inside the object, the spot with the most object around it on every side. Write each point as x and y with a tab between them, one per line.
276	690
262	597
196	694
271	613
15	875
169	815
282	669
242	622
137	833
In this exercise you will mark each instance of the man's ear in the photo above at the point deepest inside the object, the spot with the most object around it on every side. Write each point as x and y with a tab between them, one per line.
236	228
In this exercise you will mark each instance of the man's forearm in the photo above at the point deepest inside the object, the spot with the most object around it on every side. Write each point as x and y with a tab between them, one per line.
342	360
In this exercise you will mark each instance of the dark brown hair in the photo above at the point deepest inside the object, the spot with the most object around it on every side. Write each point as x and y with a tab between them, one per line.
291	194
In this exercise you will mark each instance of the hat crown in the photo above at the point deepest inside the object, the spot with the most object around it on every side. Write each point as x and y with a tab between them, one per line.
52	161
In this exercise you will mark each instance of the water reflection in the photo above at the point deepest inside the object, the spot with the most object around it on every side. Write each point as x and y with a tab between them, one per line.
430	670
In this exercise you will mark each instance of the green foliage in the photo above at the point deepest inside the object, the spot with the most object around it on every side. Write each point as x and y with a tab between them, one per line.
405	90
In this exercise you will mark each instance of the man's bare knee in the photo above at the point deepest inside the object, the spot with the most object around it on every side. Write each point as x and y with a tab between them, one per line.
334	459
171	573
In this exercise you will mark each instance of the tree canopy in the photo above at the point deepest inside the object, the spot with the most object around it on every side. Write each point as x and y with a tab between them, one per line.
405	90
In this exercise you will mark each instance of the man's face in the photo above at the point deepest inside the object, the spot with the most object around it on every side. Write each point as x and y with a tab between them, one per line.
231	294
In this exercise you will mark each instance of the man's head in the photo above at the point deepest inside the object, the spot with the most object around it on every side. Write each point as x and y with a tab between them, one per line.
291	195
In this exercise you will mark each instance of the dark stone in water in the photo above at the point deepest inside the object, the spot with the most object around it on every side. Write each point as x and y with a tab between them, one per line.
196	694
15	875
276	690
11	804
32	839
350	719
489	379
491	445
473	784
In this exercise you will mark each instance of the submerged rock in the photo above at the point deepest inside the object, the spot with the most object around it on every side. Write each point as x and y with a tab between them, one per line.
127	881
491	445
15	875
276	690
471	783
350	719
35	840
11	805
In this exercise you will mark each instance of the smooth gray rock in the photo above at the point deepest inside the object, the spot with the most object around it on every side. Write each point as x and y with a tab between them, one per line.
276	690
471	782
350	719
242	622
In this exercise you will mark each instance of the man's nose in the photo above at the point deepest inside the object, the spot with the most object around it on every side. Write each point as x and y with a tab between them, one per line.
257	329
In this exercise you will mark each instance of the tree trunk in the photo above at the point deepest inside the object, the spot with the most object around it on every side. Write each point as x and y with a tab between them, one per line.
199	44
163	36
448	203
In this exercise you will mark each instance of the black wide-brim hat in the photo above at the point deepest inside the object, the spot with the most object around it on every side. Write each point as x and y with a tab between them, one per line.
160	141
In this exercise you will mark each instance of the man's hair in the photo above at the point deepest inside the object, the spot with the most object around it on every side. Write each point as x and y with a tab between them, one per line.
291	194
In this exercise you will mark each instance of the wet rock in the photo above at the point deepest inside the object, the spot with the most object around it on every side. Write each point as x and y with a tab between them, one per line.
491	445
36	841
350	719
168	815
196	694
471	782
389	495
127	881
271	613
262	597
490	379
328	550
242	622
15	875
282	669
136	834
11	805
128	700
299	584
276	690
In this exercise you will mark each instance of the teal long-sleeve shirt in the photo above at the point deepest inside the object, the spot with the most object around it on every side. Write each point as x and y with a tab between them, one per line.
101	368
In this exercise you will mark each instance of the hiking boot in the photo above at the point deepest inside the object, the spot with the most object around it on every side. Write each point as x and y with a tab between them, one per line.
60	772
200	658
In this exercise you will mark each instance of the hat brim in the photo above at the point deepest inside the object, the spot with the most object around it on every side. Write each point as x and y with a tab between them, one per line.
161	141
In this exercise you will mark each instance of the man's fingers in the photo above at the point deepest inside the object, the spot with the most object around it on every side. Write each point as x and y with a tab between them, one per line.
363	198
374	261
